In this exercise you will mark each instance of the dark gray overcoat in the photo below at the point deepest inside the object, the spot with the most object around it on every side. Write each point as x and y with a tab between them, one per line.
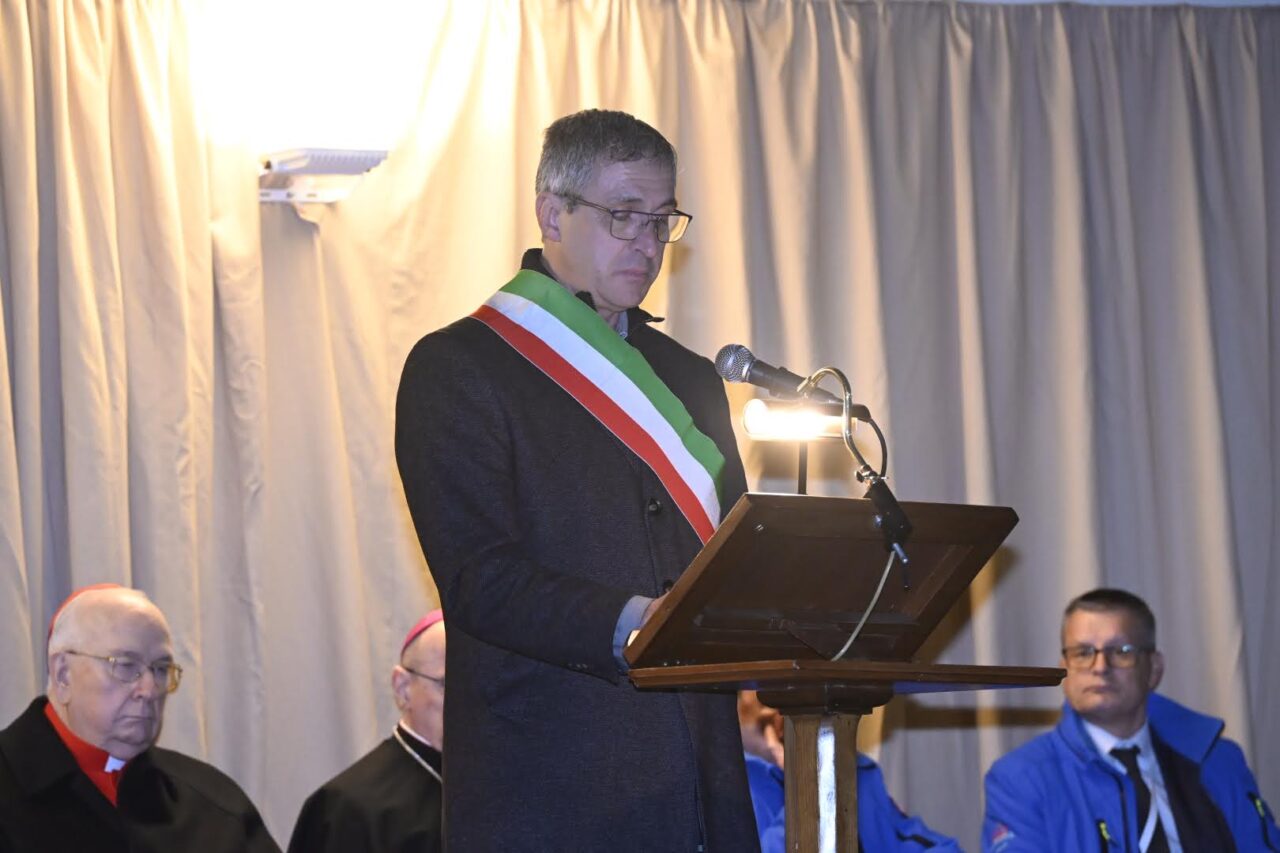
538	525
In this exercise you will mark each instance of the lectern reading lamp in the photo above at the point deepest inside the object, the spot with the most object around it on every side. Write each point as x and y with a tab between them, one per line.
789	597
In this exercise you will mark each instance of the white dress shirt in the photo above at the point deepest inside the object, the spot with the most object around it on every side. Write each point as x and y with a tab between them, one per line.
1148	766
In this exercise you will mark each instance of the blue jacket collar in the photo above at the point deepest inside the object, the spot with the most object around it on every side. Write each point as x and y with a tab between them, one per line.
1189	732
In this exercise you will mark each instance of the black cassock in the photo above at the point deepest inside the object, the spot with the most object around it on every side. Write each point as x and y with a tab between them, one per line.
384	803
166	801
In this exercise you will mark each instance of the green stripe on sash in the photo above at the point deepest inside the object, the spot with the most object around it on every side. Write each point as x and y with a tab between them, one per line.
554	298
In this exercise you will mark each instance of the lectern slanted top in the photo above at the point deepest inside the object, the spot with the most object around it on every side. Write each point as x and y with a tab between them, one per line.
787	577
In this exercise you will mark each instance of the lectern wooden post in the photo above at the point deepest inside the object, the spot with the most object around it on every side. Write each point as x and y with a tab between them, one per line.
776	593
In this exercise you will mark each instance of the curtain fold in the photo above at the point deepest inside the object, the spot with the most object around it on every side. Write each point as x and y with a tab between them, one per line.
1041	240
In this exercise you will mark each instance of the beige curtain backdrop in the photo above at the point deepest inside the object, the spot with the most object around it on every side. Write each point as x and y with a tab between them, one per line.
1042	241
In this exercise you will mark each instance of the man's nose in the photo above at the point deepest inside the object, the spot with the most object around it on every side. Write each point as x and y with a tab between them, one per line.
647	241
150	684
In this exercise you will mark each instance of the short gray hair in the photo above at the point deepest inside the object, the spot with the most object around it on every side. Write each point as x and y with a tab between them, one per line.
1110	600
576	145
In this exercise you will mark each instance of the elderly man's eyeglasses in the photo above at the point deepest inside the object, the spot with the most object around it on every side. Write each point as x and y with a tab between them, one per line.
439	682
126	670
1118	657
628	224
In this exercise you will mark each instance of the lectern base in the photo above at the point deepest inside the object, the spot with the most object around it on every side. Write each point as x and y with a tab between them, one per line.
822	782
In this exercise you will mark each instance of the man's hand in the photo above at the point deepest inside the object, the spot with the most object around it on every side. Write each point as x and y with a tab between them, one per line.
653	606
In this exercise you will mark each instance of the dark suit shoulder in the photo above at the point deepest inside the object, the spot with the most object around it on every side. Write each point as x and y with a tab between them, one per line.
32	757
465	357
384	801
464	335
380	771
202	778
656	344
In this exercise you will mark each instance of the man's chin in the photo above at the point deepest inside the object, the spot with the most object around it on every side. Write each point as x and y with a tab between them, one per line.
633	288
137	733
1092	705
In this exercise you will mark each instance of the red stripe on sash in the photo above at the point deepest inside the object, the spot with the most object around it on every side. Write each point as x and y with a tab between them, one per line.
609	413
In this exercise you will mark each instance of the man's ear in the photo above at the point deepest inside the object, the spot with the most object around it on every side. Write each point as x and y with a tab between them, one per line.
60	670
1157	671
548	207
400	686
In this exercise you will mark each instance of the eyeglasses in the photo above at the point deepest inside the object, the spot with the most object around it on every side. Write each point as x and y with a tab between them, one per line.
166	673
437	681
628	224
1118	657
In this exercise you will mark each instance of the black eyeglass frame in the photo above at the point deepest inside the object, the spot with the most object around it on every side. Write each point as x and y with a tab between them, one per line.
620	215
169	680
1123	656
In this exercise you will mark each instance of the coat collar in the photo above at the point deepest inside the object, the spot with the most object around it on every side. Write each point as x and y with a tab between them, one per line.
39	758
636	317
1189	732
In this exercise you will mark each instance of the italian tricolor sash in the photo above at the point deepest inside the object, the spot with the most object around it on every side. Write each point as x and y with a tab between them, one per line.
571	344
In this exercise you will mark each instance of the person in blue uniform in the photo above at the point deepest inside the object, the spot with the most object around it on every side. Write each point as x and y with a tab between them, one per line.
882	825
1126	769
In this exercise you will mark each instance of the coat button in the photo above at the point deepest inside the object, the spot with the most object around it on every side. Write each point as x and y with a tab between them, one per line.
654	506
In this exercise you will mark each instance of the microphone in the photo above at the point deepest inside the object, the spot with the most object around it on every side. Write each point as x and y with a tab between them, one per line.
736	363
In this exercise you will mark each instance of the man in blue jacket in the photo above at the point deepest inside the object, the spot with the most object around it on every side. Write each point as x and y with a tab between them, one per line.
1125	769
882	826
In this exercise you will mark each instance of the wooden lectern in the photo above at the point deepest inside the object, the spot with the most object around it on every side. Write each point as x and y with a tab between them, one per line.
775	594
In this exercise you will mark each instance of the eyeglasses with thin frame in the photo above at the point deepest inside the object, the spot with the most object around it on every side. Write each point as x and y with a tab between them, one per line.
128	670
439	682
629	224
1118	657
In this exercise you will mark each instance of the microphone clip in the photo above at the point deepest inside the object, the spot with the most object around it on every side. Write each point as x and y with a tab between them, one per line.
890	518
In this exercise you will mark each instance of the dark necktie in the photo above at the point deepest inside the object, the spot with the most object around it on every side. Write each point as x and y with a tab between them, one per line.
1128	756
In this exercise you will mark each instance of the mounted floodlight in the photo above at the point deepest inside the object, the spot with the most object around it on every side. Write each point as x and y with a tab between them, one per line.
314	175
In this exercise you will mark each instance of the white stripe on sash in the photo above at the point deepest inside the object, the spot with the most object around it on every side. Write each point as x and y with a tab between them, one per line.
617	386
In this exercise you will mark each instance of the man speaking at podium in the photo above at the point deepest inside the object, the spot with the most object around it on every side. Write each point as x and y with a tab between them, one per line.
563	462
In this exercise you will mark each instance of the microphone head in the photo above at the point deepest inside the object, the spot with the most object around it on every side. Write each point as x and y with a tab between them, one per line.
733	362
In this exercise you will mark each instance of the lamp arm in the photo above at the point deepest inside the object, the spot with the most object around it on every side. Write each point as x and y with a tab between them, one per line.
893	522
864	470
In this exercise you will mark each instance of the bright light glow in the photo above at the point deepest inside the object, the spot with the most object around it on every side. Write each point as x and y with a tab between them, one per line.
765	421
277	74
